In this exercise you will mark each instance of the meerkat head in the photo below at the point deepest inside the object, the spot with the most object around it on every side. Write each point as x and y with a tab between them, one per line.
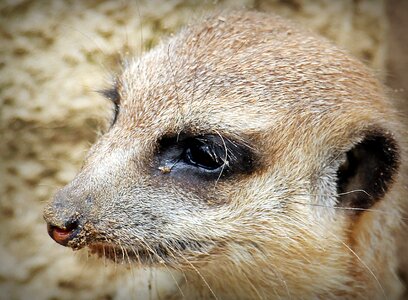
242	143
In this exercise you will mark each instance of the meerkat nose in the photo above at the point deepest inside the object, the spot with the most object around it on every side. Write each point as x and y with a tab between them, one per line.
63	234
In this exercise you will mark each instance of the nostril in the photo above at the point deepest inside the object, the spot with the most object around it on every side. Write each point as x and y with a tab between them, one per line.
62	235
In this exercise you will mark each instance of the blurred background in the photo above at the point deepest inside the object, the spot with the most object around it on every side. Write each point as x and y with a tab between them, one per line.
55	55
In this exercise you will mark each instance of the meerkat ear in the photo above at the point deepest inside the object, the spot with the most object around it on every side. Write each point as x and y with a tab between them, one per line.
368	171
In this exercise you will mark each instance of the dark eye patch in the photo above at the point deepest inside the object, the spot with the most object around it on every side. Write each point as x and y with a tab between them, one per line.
113	95
203	157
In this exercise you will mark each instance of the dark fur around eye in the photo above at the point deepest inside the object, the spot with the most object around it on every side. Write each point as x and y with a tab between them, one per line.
113	95
203	157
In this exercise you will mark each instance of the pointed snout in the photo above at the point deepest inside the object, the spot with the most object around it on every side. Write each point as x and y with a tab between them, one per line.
64	216
77	204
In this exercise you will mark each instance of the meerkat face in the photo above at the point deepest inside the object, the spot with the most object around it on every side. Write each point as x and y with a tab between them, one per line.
239	140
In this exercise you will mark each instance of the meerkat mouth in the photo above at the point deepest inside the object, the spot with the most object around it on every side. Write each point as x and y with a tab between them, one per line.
146	255
120	254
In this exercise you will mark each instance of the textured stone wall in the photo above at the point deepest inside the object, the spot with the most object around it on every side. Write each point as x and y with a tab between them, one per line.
54	55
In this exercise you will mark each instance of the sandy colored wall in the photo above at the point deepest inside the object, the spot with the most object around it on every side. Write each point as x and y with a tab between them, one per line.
54	55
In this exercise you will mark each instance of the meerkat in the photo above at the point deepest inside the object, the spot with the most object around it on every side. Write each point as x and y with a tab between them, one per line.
253	157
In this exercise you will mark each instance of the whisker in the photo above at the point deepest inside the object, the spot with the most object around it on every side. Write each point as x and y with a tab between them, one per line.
200	275
169	250
225	160
252	286
363	264
176	86
348	208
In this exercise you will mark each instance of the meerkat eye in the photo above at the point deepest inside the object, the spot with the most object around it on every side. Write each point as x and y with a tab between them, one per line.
208	157
202	153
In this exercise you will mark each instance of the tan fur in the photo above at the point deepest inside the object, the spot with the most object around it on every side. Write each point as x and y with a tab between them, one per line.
299	102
